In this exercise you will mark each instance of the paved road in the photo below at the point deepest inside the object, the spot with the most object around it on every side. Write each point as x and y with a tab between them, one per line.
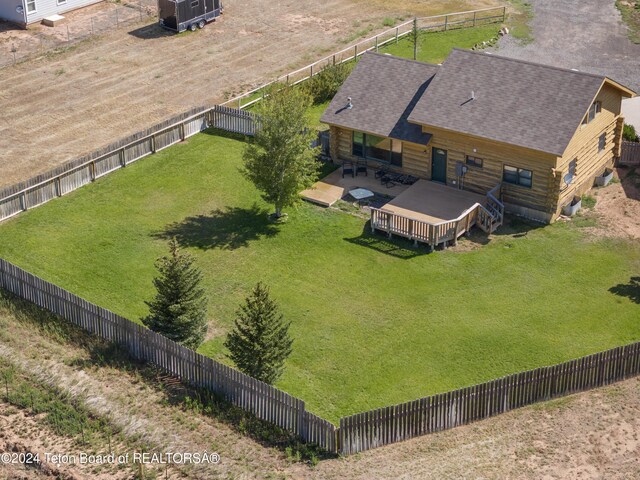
585	34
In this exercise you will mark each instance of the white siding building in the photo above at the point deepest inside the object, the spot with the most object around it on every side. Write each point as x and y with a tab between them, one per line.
24	12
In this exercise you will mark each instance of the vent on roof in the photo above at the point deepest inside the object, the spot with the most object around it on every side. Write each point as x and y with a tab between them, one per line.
473	95
349	103
575	69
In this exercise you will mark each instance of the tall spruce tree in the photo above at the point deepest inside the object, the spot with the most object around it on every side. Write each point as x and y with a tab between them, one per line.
260	342
179	308
280	161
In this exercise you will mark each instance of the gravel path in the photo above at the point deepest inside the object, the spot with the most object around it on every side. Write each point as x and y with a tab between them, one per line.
585	34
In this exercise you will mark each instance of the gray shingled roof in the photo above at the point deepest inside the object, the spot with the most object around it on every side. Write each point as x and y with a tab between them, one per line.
516	102
384	91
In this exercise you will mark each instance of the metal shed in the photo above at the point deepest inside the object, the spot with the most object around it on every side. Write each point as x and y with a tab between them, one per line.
180	15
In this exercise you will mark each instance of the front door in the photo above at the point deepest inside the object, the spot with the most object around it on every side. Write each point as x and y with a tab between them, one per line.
439	165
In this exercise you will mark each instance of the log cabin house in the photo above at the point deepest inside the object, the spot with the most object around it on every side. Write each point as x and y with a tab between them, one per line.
531	137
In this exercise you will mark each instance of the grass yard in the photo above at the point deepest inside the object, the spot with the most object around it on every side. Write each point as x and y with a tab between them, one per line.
434	47
374	322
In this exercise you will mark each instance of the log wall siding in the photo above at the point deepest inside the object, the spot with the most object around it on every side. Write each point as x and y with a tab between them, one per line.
494	156
416	160
584	147
590	162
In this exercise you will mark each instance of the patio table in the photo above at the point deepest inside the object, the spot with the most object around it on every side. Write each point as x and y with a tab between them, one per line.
361	194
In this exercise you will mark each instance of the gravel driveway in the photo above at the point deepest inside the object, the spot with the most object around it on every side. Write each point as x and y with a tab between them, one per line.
585	34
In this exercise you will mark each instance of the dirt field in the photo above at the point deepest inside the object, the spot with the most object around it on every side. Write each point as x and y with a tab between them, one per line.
58	107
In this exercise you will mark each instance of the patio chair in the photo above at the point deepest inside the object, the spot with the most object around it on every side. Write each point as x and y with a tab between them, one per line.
347	168
381	172
388	180
361	167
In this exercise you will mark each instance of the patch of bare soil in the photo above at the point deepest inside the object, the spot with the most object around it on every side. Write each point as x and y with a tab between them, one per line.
58	107
22	434
617	208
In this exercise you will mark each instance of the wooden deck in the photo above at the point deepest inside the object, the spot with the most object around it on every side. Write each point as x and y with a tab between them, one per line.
432	202
434	214
333	187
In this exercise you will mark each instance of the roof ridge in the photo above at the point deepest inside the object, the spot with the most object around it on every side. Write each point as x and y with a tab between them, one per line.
395	57
536	64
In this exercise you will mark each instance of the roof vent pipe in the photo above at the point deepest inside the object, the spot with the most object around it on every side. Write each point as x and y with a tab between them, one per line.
349	103
473	95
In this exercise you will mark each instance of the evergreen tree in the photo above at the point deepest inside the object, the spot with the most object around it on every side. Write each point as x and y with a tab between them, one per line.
414	37
280	161
179	308
260	342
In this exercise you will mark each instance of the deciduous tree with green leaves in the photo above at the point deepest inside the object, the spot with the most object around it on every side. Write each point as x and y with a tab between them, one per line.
179	309
260	343
280	161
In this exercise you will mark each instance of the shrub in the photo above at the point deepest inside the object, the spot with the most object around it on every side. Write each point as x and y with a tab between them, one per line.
629	133
325	84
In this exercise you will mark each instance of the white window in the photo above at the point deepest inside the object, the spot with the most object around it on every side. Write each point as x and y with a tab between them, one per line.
31	6
595	109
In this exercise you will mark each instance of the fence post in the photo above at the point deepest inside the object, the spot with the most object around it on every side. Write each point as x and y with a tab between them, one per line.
397	32
474	18
504	14
23	201
58	187
93	171
311	72
334	59
355	52
239	104
123	162
446	22
376	43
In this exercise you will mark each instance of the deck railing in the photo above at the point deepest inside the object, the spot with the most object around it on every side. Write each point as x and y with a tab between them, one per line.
432	234
488	217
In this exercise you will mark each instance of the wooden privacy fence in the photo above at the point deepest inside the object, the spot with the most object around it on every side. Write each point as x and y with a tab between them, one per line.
357	433
79	172
630	154
388	425
444	22
264	401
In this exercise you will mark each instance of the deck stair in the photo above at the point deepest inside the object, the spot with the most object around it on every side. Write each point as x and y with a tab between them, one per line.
491	214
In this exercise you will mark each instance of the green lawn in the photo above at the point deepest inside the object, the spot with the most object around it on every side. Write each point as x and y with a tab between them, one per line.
434	47
374	322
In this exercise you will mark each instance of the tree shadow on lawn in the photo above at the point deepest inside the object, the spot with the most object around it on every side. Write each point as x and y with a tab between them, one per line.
396	247
630	290
227	229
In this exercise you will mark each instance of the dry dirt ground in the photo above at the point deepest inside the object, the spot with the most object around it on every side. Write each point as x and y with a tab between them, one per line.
60	106
590	435
617	208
